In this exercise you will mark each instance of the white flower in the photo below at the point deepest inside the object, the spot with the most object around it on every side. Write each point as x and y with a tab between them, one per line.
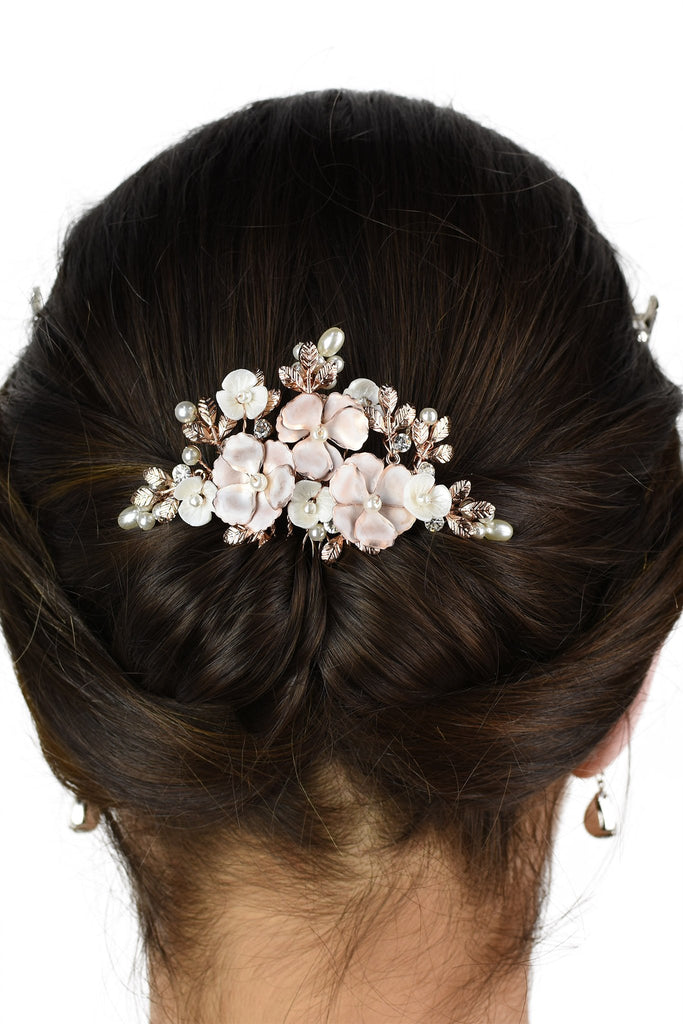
312	491
196	499
242	395
363	387
425	499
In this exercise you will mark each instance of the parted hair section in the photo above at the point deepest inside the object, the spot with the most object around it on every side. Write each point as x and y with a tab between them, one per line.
202	685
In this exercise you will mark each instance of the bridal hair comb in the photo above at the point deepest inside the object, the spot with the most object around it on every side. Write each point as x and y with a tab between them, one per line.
360	499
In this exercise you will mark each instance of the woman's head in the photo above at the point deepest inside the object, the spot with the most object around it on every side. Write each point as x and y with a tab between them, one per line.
217	699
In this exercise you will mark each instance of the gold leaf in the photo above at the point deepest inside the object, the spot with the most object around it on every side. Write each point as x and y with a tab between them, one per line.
368	550
376	418
404	415
460	490
325	376
156	478
441	429
331	551
143	497
460	527
194	431
444	453
263	536
308	357
273	400
259	377
225	425
236	535
291	378
388	397
206	410
166	510
419	431
478	510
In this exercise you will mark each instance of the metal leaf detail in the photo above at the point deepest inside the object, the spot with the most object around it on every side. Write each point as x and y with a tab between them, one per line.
419	431
143	497
308	357
259	377
206	410
273	400
194	431
404	415
477	510
237	535
460	527
331	551
157	478
291	378
224	426
441	429
443	453
388	397
460	490
166	510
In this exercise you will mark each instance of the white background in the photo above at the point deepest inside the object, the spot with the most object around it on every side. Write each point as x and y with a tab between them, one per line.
90	92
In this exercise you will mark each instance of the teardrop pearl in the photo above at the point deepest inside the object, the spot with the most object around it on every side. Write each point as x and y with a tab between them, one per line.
330	342
128	519
146	521
497	529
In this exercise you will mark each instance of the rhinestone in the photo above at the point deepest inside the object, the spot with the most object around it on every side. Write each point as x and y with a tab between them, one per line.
401	443
435	524
180	472
262	428
330	526
426	467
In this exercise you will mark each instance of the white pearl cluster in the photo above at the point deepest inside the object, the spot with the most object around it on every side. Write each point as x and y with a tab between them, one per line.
329	343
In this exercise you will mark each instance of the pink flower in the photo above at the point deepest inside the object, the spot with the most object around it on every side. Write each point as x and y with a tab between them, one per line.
369	497
313	424
254	481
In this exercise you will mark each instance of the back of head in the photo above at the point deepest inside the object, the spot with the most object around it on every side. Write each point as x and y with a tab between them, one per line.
205	694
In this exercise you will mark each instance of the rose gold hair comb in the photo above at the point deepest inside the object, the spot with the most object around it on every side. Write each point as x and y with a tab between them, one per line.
360	499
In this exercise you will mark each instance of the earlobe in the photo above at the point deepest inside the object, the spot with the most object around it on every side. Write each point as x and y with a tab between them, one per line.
615	741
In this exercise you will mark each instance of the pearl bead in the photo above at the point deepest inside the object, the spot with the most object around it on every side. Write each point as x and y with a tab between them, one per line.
146	520
330	341
320	433
296	350
186	412
196	500
478	531
374	503
429	415
320	360
128	519
497	529
317	532
243	397
258	481
191	455
310	507
337	362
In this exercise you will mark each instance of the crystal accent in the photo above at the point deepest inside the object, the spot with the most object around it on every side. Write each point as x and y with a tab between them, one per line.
330	527
435	524
401	443
426	467
180	472
262	428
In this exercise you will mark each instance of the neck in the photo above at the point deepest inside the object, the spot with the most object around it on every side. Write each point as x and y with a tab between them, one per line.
427	957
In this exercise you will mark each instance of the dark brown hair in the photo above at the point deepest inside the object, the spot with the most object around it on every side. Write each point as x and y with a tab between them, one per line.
192	688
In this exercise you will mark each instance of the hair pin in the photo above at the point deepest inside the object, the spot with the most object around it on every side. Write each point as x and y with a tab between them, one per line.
334	497
644	322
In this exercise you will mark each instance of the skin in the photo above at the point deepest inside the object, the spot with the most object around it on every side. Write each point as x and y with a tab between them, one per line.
412	967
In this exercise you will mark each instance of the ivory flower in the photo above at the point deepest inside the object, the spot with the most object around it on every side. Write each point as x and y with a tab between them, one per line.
255	480
314	424
313	492
363	387
425	499
369	497
196	498
242	395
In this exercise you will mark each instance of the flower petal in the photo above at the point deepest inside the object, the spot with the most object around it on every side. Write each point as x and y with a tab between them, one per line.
238	380
264	513
277	454
399	517
392	484
243	452
345	421
190	485
280	486
223	474
345	517
235	503
303	413
374	530
312	459
370	468
441	500
419	484
347	485
325	503
198	515
258	401
296	513
363	387
209	490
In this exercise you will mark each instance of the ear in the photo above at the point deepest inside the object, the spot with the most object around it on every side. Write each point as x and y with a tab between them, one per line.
617	738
